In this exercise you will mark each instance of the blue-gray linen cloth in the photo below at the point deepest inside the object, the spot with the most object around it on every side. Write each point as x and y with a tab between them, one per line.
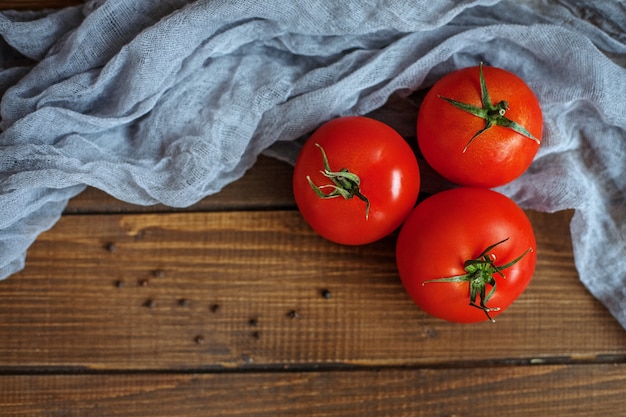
167	101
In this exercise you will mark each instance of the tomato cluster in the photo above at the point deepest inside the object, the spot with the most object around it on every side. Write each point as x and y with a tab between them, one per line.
357	180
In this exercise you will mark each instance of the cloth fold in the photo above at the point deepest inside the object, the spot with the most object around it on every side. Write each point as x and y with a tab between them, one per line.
169	101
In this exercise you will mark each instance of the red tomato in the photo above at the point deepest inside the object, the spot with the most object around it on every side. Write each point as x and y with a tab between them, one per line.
446	127
380	189
443	236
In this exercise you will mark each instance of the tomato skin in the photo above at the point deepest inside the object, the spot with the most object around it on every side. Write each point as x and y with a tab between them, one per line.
389	178
497	156
447	229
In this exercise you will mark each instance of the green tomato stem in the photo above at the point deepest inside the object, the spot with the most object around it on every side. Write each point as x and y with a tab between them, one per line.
344	184
480	273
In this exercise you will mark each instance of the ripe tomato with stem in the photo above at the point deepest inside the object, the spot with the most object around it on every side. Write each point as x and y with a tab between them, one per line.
480	126
355	180
466	254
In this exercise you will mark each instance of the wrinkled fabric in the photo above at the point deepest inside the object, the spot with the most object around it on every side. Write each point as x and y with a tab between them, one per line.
169	101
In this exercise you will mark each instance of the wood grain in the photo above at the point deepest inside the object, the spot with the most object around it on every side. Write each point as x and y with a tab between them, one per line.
518	391
267	185
262	266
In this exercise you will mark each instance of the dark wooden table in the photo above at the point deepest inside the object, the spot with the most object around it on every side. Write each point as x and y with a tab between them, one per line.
234	307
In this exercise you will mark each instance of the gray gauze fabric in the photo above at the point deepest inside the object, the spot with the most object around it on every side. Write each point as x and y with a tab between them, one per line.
169	101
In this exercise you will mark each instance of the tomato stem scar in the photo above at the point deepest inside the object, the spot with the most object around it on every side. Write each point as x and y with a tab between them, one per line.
480	273
344	184
493	114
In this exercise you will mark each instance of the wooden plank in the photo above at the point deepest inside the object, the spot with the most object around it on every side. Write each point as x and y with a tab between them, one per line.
573	391
267	185
65	309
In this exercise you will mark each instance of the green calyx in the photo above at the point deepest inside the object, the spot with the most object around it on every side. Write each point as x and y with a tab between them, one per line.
480	273
344	184
492	114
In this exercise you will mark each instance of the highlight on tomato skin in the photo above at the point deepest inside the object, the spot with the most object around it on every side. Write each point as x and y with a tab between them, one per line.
355	180
480	126
463	237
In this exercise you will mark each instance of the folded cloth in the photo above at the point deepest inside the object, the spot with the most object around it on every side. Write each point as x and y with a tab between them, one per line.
167	101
